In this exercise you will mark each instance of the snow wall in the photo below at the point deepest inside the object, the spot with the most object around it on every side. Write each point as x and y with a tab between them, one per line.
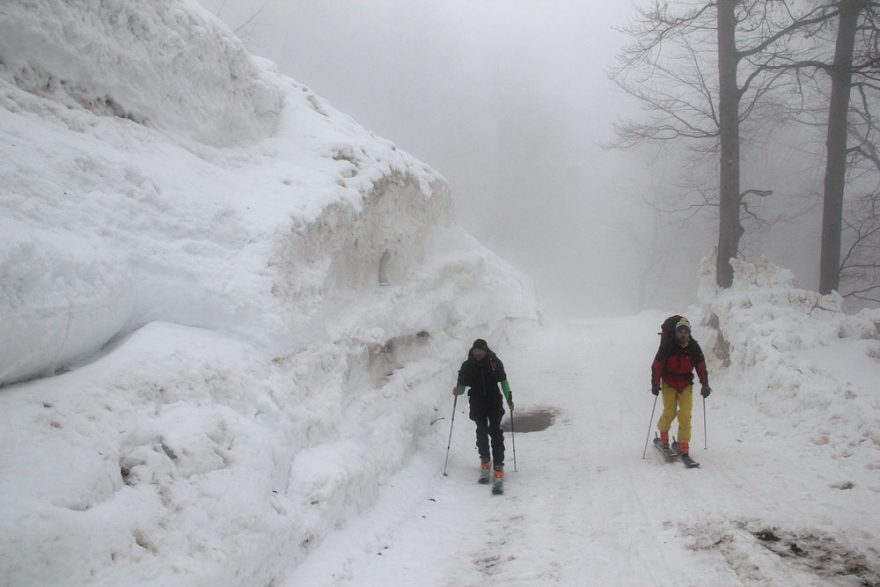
215	290
120	216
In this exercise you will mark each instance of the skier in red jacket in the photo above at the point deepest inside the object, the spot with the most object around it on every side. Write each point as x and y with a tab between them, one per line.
673	365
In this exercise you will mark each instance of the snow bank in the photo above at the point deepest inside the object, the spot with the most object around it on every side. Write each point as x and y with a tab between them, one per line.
795	353
168	65
265	240
252	306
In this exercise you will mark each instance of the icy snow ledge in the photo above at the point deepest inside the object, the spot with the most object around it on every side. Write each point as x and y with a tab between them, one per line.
170	66
393	266
783	347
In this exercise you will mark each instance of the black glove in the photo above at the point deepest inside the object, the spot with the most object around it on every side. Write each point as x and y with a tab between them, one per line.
705	391
655	388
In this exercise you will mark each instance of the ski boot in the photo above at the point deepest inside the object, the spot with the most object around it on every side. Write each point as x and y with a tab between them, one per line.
664	440
498	481
485	471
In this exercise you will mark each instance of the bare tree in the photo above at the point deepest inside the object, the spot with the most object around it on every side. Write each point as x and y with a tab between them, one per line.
859	265
841	73
860	261
855	64
689	65
729	93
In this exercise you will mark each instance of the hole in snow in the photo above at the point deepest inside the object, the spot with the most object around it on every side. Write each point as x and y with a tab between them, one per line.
530	420
383	268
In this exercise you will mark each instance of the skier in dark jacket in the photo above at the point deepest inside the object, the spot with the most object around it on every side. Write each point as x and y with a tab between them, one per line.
482	372
674	364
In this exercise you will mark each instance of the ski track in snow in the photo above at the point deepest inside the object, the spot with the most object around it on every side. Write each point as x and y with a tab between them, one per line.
585	509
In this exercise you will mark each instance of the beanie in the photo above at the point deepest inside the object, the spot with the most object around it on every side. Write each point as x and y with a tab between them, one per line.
481	344
683	323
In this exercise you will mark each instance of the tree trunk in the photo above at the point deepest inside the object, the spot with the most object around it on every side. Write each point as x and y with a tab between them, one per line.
835	143
729	228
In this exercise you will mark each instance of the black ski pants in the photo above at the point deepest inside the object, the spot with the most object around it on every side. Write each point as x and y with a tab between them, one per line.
487	414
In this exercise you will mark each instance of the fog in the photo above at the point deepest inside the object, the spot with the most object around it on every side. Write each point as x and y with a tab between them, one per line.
511	101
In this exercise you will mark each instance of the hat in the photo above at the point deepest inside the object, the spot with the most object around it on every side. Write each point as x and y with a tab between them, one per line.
481	344
683	324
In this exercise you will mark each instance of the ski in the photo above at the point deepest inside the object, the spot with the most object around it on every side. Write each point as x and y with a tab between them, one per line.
671	453
689	462
685	458
666	451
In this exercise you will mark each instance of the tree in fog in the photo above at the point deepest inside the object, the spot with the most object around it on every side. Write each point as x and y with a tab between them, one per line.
700	71
853	35
855	61
859	263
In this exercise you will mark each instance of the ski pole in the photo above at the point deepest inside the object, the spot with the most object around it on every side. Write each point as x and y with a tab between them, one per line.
705	432
648	437
513	439
448	444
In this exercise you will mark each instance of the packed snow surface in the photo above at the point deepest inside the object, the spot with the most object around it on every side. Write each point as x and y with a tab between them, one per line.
786	493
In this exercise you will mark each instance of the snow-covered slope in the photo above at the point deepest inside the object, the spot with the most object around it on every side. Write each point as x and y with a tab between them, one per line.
228	311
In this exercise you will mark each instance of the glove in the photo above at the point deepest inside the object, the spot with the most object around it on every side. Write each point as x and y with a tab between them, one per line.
705	391
655	388
510	404
457	391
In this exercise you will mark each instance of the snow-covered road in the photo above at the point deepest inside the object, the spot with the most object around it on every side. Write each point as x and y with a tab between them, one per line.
584	508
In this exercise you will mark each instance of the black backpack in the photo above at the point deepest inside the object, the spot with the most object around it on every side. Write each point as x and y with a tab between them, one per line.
667	336
667	329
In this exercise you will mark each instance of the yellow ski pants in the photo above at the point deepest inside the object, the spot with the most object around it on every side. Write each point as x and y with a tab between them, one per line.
680	404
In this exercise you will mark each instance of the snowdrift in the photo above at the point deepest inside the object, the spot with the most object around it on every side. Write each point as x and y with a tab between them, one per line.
795	354
167	65
229	312
116	220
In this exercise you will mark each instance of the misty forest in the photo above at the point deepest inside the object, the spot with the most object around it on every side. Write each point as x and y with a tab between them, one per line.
778	69
362	293
743	147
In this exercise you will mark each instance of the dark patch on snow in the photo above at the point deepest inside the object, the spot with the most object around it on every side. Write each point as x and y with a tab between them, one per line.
843	485
141	540
766	535
530	420
833	559
821	553
167	450
125	472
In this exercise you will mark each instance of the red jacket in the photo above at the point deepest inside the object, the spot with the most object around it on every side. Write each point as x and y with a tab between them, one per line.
674	364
